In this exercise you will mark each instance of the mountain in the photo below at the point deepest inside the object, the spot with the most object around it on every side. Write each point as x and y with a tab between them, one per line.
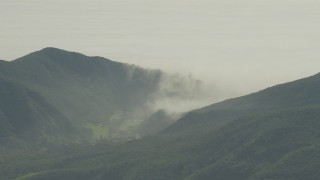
102	98
82	86
299	93
26	115
271	135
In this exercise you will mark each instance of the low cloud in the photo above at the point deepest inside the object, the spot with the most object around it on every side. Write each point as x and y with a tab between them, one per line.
179	93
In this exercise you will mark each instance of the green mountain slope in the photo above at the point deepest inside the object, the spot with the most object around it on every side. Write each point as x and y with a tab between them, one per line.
26	115
297	93
303	92
107	98
270	135
83	88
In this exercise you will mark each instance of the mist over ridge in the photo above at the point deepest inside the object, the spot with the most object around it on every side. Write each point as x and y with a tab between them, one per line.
102	98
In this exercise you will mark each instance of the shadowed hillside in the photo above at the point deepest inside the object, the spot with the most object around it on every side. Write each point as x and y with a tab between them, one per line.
26	115
102	98
273	134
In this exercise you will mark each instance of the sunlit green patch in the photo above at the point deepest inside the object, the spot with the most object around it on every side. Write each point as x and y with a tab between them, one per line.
99	131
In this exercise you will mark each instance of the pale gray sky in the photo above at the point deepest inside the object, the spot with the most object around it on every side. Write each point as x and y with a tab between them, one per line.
244	45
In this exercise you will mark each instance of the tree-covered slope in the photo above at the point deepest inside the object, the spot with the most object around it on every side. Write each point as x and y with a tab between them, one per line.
299	93
277	138
26	115
107	98
272	146
83	88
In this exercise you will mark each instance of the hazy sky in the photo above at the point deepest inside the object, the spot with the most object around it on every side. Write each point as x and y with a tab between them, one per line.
244	45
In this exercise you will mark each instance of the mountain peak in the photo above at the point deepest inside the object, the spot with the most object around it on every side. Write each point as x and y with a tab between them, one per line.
56	53
51	49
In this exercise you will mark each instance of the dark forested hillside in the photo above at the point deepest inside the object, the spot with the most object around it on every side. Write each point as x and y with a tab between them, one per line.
103	98
82	86
273	134
26	115
299	93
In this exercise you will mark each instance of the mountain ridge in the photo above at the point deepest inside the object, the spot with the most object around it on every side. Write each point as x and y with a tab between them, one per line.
85	89
305	93
272	134
105	97
315	77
